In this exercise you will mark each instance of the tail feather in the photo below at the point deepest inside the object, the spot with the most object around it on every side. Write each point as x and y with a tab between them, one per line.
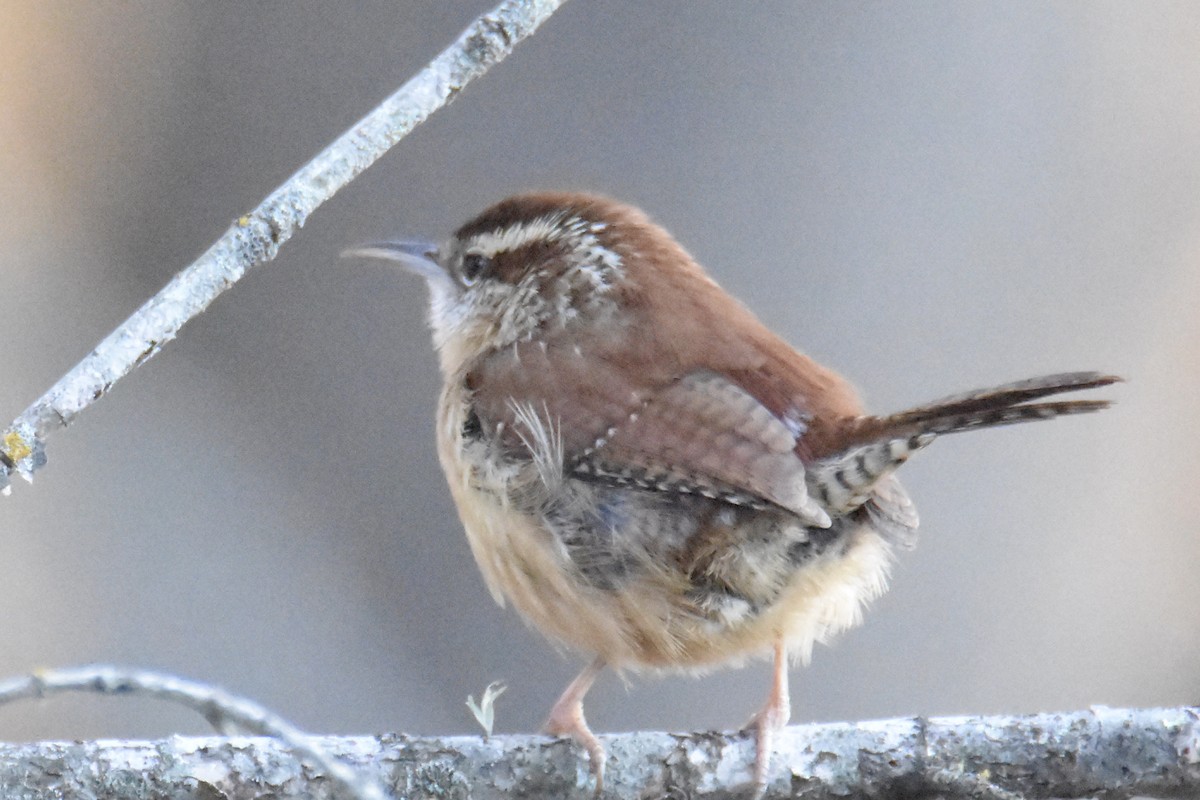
876	446
1005	396
953	421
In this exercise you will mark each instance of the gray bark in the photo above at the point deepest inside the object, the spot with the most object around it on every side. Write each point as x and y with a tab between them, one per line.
1116	753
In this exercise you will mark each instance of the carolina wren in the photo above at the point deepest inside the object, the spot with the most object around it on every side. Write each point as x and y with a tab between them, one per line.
646	471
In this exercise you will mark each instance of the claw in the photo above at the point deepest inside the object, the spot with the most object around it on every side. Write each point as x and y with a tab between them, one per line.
566	719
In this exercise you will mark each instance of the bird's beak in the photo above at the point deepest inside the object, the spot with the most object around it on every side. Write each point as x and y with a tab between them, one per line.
416	256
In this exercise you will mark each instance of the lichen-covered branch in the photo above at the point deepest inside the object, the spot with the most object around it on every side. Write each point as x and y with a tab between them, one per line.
1117	753
256	237
226	712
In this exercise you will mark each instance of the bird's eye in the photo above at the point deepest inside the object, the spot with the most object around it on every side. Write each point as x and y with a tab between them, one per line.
473	266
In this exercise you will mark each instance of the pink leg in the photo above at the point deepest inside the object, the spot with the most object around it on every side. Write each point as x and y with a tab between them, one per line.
771	718
566	719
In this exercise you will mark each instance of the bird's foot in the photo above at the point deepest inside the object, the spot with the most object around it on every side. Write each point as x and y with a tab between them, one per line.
769	720
763	726
566	719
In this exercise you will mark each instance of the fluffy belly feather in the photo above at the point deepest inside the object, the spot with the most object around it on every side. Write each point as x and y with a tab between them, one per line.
642	586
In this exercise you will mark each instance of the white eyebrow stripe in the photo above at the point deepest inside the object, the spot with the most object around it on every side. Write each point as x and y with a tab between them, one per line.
597	262
512	237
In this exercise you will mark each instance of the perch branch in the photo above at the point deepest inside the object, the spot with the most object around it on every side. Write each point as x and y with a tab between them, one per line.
256	237
1116	753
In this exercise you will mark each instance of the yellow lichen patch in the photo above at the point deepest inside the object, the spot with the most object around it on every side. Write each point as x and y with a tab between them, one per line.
15	446
243	220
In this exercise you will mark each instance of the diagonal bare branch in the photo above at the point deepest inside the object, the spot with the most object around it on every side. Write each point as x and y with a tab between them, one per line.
255	237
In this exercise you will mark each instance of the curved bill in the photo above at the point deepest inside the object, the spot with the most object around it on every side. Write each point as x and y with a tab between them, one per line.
416	256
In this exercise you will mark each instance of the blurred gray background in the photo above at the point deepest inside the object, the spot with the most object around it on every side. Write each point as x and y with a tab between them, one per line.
930	197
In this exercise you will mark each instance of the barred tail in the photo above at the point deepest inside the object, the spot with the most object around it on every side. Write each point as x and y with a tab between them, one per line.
875	446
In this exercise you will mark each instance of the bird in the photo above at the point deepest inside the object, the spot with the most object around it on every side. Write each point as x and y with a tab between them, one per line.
649	474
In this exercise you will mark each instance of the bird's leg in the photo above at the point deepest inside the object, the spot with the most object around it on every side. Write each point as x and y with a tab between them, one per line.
566	719
773	716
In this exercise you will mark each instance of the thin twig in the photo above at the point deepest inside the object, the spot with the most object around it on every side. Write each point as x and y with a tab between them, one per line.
256	237
226	712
